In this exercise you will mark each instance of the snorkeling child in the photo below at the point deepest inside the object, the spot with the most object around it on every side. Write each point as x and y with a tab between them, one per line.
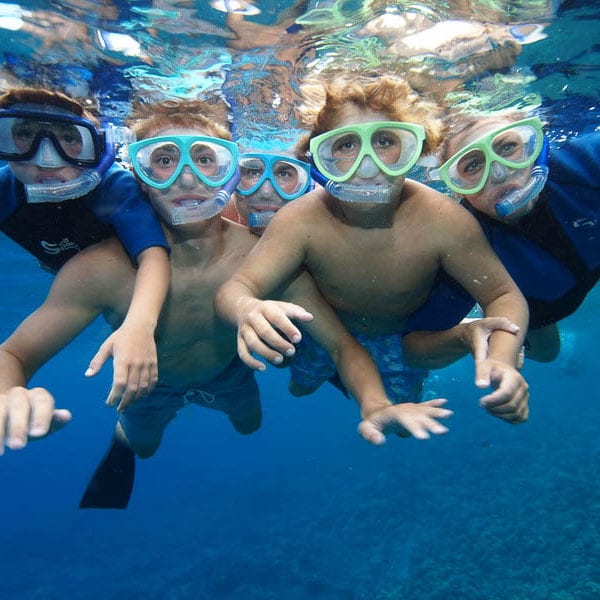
268	182
373	240
539	210
62	192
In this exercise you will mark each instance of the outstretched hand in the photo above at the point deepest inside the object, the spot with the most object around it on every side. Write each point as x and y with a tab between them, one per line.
406	419
265	328
135	363
28	414
510	399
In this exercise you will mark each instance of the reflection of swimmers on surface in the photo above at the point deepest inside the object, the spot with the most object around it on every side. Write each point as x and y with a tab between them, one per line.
49	36
373	242
539	211
188	178
434	53
63	192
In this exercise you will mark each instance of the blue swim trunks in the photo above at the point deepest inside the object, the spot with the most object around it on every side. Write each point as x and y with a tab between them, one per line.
234	392
312	366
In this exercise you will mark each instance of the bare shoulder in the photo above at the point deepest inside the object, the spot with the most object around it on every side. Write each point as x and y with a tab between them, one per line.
304	217
311	207
439	209
237	236
99	272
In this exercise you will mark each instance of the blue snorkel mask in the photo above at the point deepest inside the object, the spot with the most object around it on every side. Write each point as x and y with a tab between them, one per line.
51	138
159	161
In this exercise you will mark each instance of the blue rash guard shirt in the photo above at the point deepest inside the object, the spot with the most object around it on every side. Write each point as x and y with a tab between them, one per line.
553	253
55	231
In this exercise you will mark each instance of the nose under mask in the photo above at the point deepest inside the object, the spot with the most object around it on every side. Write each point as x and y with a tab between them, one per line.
47	156
498	172
367	168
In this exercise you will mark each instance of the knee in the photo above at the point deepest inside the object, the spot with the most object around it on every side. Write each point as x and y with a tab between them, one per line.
249	423
143	448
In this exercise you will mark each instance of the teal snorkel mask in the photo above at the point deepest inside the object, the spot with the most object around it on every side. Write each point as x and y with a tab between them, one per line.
267	182
159	161
365	151
51	138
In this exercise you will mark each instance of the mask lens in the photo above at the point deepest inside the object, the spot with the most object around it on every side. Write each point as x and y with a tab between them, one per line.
212	162
338	153
156	163
517	145
252	174
290	179
467	171
395	148
20	138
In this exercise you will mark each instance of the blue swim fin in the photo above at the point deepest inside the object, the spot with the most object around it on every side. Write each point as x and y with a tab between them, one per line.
112	482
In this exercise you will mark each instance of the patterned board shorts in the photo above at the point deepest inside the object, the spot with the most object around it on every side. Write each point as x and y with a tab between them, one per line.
312	366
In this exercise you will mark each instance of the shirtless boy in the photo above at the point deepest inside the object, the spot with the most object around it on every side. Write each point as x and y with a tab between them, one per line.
374	240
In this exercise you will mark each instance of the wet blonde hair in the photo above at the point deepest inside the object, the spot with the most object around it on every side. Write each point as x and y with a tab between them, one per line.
389	94
148	119
31	95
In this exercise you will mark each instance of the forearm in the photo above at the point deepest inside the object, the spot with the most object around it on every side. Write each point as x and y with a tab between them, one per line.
151	288
435	349
12	373
360	376
505	346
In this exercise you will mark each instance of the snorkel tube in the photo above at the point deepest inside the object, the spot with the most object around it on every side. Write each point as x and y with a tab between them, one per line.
201	211
518	199
75	188
346	192
259	220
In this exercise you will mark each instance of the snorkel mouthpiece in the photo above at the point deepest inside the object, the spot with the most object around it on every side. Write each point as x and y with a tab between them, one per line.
372	194
518	199
347	192
75	188
202	211
259	220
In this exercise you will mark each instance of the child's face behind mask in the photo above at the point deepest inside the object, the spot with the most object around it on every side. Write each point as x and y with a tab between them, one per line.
49	139
367	175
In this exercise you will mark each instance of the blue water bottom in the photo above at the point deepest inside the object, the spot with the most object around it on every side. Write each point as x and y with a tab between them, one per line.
306	509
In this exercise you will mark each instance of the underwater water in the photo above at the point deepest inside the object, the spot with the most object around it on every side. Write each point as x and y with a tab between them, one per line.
304	508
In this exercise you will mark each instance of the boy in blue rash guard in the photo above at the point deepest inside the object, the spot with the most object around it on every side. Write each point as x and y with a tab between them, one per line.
372	239
539	210
62	192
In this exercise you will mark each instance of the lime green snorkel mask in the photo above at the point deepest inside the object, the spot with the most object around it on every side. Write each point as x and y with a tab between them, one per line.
364	151
494	156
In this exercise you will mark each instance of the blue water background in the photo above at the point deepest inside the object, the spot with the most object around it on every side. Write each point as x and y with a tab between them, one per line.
305	508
